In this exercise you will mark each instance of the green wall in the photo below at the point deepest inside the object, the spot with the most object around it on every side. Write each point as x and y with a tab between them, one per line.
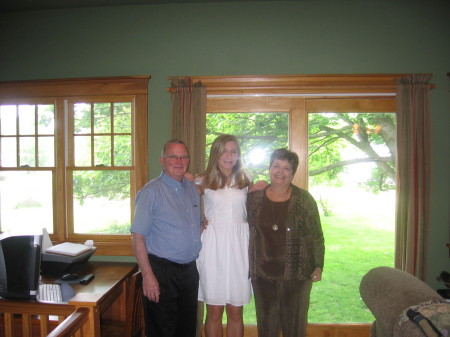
250	38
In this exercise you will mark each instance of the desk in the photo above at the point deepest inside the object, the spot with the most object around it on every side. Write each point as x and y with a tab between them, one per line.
104	296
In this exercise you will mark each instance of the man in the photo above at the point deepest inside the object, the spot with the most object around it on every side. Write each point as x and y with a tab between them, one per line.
166	242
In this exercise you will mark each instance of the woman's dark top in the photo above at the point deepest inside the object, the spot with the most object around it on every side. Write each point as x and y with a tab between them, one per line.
271	230
304	246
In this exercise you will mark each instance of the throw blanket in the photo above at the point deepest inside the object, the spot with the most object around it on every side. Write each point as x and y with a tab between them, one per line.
437	313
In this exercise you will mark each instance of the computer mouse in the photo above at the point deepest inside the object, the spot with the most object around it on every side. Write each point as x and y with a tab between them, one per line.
69	277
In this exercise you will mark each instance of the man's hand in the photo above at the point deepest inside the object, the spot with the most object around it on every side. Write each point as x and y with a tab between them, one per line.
150	287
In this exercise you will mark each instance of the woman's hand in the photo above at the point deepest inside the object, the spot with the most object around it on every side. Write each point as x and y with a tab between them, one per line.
316	275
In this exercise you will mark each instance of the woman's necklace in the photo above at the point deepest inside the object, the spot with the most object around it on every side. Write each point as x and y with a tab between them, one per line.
276	218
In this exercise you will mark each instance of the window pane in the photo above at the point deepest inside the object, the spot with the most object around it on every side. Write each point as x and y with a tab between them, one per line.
352	178
26	200
27	151
258	134
102	118
83	151
122	117
101	202
112	143
8	152
122	150
82	118
26	120
46	119
102	150
46	151
8	119
27	131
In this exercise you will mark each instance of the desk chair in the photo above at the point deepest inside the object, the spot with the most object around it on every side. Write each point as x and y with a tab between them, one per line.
133	326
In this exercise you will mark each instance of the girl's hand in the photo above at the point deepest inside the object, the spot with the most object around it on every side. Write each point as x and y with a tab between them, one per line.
204	225
259	185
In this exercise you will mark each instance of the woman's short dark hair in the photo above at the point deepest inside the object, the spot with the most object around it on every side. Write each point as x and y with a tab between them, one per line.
285	154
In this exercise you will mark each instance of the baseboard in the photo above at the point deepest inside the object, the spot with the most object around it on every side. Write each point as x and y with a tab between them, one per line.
321	330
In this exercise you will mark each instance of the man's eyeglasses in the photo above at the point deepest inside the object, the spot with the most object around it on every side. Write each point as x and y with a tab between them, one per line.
175	157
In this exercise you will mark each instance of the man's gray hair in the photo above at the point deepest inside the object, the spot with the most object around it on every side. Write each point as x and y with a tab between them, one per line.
173	141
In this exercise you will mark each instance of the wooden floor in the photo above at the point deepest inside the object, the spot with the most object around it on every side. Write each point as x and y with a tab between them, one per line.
322	330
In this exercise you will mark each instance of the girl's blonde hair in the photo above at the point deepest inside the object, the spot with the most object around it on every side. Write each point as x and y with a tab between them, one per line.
213	178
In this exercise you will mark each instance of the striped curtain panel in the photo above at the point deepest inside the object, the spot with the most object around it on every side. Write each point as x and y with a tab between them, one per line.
414	174
188	118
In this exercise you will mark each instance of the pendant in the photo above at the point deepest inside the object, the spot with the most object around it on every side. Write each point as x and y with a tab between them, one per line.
275	227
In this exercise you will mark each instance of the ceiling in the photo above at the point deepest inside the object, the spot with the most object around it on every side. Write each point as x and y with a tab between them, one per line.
27	5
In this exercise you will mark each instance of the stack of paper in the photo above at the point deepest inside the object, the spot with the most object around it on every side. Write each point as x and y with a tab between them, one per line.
68	248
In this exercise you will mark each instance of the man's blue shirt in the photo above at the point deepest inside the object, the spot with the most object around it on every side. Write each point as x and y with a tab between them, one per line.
168	214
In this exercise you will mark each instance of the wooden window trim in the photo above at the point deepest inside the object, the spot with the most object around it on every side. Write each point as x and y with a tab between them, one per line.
298	84
96	86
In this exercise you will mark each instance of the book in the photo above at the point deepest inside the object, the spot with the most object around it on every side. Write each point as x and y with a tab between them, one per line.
68	248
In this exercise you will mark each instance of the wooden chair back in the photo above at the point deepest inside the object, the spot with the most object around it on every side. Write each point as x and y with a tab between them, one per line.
134	325
73	326
30	319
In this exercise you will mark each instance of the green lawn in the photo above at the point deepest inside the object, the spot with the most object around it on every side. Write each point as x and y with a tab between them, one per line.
352	249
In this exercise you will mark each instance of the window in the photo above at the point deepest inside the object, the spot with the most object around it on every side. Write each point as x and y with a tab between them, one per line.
315	102
70	160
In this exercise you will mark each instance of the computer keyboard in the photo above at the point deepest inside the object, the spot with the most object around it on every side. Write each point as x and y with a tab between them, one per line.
49	292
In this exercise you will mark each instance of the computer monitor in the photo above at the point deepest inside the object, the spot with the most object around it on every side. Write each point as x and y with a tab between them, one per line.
20	263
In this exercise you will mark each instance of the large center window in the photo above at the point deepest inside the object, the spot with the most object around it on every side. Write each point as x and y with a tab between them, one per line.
347	146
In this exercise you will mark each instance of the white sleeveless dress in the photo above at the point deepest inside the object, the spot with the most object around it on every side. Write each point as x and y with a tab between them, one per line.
223	261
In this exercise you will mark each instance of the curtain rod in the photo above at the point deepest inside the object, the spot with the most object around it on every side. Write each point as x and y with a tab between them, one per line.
303	95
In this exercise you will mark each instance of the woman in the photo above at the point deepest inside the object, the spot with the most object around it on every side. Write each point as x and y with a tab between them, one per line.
286	249
223	261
